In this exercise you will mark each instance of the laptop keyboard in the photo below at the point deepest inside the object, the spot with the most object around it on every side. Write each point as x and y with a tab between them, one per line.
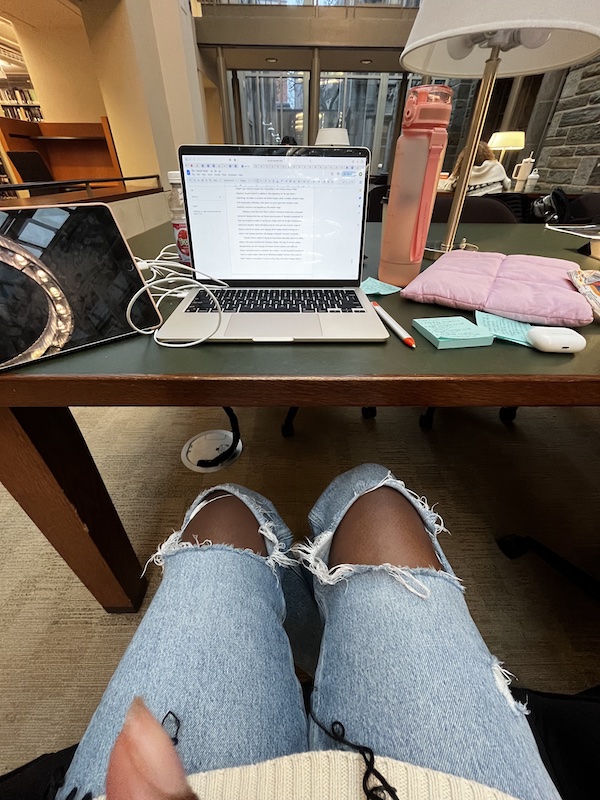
278	300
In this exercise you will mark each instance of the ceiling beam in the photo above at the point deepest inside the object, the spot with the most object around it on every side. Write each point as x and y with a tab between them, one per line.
304	26
350	38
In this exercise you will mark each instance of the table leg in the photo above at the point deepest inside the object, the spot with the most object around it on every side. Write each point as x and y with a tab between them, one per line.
46	466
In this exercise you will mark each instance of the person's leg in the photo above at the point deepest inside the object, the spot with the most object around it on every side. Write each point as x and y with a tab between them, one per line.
402	664
210	656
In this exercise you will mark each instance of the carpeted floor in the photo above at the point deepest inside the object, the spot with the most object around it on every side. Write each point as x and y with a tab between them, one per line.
538	478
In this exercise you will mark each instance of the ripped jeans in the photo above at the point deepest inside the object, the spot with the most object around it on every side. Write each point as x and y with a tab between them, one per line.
400	661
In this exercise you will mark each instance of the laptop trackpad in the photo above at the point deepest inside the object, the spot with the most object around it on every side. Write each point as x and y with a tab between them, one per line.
274	326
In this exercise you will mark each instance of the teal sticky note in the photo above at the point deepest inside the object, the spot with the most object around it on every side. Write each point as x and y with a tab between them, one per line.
508	329
452	332
373	286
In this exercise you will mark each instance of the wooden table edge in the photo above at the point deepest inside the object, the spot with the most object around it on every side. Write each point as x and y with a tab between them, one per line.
275	390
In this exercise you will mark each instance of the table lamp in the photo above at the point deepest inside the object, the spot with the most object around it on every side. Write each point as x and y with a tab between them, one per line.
506	140
334	137
474	39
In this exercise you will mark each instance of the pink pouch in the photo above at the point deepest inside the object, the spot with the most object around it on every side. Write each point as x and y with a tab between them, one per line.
525	288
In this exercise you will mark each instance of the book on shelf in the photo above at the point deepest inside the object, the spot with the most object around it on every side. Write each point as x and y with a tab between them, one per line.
25	113
16	94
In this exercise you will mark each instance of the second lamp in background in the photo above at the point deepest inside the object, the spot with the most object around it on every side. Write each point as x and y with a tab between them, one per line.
506	140
337	137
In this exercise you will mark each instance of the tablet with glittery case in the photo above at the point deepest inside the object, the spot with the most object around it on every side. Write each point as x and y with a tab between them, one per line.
66	278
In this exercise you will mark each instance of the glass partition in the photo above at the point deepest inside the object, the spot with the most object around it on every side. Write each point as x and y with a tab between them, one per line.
273	106
365	103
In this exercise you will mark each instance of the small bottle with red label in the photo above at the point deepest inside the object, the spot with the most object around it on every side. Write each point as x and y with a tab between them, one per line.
177	209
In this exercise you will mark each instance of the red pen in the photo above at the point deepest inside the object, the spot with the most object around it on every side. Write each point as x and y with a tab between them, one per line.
394	326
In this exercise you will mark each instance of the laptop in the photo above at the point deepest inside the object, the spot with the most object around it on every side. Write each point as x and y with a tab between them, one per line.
66	278
284	228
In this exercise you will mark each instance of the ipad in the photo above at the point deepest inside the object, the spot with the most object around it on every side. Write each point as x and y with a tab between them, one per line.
66	277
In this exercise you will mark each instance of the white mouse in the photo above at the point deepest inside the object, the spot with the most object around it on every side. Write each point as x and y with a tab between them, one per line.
556	340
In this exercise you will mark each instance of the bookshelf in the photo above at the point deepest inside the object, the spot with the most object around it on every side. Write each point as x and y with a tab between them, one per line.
19	102
70	151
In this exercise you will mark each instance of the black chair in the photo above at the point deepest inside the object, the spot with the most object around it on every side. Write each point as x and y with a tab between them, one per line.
514	546
381	179
374	209
583	210
475	209
287	428
518	202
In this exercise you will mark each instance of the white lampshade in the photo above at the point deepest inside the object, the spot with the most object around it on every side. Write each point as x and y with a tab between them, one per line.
333	136
507	140
445	35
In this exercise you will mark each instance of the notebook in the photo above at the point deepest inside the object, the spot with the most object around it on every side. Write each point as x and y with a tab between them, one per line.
284	228
66	278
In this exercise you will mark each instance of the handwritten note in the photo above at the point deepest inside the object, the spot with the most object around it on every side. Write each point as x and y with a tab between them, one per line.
373	286
452	328
450	332
508	329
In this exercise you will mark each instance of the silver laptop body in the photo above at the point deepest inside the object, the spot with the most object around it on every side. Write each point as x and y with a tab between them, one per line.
287	219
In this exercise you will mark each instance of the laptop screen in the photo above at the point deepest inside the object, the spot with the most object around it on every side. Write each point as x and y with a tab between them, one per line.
276	215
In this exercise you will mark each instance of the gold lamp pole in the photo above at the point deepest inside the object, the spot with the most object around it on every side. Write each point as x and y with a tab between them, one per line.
474	137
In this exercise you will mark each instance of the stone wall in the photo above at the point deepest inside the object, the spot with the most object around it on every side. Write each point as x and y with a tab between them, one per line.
570	156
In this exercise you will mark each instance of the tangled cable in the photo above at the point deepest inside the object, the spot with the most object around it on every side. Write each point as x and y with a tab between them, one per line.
169	277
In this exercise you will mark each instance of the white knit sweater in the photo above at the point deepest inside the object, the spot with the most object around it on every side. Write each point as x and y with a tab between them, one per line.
488	178
332	775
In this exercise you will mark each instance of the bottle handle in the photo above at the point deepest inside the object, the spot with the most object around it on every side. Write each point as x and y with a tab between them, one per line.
419	240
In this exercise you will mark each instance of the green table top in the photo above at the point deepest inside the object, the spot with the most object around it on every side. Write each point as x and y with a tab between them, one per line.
141	356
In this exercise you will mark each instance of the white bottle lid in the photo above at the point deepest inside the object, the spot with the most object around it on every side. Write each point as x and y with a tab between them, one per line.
174	176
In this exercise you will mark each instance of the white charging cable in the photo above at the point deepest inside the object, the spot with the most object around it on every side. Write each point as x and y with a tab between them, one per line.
169	277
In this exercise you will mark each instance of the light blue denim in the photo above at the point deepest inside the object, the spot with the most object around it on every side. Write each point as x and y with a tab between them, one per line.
401	663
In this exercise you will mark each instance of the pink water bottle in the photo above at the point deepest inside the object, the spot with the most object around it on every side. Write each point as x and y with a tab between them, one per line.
419	157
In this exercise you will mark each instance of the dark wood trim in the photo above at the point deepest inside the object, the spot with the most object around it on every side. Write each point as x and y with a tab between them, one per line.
99	195
275	390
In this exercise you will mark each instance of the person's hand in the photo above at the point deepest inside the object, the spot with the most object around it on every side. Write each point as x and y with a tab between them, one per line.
143	764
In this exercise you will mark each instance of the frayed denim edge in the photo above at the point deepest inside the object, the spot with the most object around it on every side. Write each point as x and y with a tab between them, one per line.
503	680
311	553
308	554
432	521
277	557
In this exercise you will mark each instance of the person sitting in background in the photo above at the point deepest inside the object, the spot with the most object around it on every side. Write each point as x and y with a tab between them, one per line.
487	174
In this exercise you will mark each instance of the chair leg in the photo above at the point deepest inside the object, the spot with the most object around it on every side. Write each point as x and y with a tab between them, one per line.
426	419
287	429
514	546
508	414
